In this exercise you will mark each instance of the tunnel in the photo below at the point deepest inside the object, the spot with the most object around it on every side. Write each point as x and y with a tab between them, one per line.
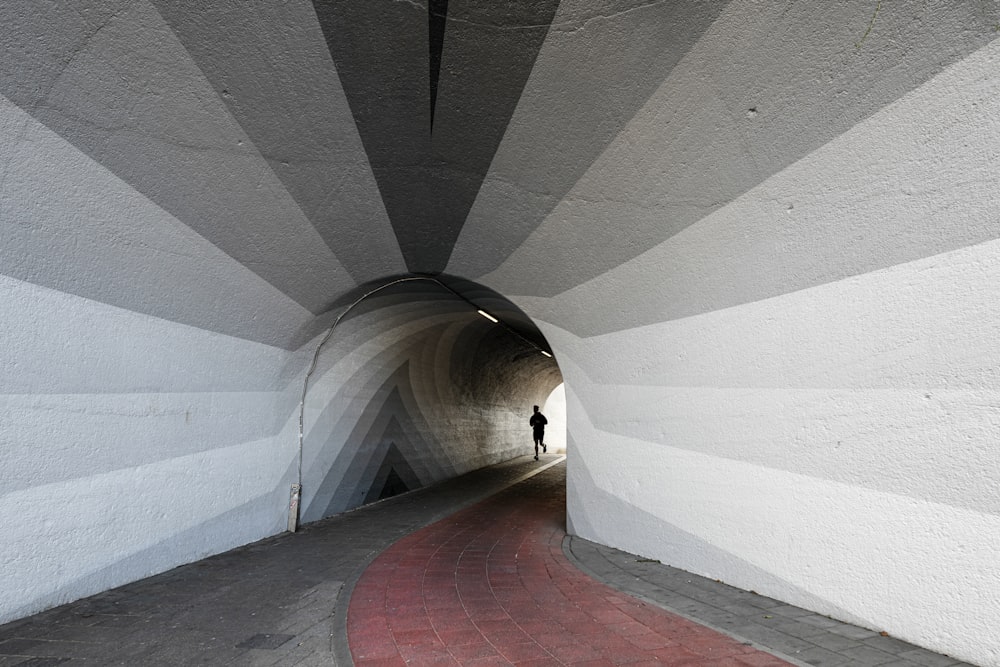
416	380
243	247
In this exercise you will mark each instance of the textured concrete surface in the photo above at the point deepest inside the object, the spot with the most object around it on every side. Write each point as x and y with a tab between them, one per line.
759	238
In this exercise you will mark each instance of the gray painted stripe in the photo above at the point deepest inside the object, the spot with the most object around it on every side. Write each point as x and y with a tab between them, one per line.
489	51
61	438
272	69
696	146
131	98
910	182
428	182
69	225
600	63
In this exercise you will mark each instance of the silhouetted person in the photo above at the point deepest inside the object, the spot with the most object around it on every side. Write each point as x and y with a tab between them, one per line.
538	422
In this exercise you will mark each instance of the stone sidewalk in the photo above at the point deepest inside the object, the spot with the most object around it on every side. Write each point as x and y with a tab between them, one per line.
283	600
792	633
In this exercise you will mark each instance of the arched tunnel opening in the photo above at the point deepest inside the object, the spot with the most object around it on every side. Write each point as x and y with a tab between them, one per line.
415	380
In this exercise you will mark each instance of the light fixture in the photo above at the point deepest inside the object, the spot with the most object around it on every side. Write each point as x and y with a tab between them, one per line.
546	354
488	316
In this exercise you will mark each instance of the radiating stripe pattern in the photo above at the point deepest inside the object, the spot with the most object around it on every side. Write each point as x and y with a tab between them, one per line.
415	387
759	237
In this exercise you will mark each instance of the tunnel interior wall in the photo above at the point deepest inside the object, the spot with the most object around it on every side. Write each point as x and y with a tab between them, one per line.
130	444
761	237
415	388
777	317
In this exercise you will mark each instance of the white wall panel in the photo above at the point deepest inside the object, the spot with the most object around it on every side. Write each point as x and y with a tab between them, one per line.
125	438
853	553
834	446
162	511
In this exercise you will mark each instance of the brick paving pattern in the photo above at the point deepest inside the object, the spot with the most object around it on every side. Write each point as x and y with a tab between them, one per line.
490	586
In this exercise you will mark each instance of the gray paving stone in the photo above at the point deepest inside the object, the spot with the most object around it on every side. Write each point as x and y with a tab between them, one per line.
795	634
742	609
926	658
265	641
810	631
18	646
834	642
824	622
790	626
853	631
720	617
822	657
791	611
888	644
867	656
775	639
763	602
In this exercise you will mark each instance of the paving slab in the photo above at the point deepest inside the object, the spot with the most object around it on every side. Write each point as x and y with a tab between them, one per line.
798	635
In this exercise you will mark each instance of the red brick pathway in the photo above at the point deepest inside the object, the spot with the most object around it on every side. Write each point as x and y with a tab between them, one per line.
490	586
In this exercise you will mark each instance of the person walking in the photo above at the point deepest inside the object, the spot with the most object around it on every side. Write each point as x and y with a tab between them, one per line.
538	422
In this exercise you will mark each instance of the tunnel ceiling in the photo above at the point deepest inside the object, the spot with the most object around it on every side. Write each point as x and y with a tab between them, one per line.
241	167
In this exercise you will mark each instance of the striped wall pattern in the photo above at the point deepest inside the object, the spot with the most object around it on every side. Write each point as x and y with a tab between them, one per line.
414	388
761	239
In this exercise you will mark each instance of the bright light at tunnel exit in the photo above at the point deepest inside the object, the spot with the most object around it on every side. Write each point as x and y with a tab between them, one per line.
555	411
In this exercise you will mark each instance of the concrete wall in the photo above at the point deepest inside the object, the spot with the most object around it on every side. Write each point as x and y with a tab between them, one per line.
775	309
167	273
132	444
761	238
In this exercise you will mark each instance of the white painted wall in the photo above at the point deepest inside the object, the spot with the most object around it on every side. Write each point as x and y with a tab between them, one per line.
761	238
130	445
832	442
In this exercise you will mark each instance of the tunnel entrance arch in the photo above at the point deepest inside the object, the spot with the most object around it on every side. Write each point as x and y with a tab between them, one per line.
413	380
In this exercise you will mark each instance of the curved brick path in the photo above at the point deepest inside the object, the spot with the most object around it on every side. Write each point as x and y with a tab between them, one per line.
490	586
